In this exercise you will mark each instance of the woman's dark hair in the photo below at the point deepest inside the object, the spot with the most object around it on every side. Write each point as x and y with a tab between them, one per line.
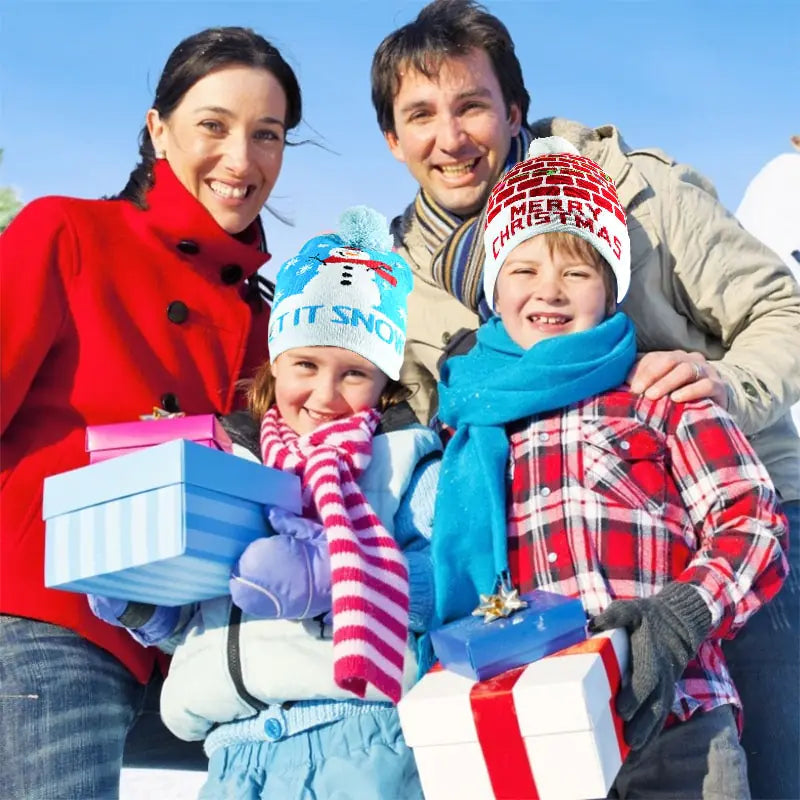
193	59
443	29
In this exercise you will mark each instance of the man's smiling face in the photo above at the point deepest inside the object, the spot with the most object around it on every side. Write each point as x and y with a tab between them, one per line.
453	131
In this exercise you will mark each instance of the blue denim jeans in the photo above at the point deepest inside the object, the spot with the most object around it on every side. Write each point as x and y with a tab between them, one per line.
150	744
764	660
65	710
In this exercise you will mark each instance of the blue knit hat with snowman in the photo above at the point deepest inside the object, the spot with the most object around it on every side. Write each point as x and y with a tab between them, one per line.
345	289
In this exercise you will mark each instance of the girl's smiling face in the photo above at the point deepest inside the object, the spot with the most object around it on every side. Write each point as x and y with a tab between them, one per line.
315	385
224	141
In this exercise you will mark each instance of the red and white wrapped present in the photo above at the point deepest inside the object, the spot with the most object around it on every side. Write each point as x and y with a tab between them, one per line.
545	731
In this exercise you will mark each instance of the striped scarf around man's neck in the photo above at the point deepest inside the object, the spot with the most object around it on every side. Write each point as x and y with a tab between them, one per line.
456	243
369	577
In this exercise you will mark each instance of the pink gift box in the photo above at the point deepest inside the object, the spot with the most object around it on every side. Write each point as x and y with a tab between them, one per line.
109	441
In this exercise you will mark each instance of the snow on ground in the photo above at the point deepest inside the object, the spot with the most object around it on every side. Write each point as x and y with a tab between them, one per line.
163	784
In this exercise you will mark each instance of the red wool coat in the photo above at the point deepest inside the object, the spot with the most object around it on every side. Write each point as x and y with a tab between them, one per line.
106	312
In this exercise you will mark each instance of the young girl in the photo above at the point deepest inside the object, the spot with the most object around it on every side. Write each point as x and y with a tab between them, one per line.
292	679
657	514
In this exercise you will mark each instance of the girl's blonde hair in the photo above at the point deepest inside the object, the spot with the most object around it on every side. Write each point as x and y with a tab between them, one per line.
260	392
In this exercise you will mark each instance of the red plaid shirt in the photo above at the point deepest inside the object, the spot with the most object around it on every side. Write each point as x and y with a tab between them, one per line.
618	495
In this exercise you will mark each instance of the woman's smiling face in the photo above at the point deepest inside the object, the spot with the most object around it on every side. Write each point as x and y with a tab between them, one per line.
224	141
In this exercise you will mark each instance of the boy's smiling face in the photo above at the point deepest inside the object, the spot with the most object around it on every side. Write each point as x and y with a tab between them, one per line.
540	294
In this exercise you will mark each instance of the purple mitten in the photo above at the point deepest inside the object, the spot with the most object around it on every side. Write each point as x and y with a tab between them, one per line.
148	624
285	576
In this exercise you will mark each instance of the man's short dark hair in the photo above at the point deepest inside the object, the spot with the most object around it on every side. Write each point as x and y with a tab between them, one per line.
445	28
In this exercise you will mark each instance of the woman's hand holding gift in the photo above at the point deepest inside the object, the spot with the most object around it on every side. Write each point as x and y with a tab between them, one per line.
148	624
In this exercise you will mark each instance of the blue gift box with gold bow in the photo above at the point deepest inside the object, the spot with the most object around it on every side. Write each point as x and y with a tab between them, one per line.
501	635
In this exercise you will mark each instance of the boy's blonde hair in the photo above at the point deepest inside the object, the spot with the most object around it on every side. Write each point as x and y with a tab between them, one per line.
564	243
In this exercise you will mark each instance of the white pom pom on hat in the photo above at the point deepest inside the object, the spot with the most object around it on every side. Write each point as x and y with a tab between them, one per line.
551	145
555	189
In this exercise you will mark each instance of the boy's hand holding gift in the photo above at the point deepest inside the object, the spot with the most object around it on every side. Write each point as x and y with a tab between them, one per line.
285	576
665	632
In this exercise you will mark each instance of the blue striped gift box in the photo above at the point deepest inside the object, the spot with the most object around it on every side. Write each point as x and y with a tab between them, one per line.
162	525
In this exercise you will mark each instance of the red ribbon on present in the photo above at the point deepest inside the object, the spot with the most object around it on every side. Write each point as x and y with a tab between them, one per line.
500	738
498	728
604	647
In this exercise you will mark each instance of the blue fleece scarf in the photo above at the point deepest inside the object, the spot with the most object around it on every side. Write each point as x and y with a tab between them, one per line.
495	384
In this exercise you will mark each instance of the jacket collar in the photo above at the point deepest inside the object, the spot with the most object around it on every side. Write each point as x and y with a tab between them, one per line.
396	417
186	227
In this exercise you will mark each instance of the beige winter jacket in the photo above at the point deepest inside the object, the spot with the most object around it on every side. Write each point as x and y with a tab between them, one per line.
699	282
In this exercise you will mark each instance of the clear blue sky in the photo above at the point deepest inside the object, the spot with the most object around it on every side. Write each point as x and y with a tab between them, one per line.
714	83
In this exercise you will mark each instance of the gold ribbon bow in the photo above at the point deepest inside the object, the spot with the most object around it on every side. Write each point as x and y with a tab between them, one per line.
162	413
502	604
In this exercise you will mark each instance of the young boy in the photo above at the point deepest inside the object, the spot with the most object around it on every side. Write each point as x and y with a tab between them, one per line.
658	515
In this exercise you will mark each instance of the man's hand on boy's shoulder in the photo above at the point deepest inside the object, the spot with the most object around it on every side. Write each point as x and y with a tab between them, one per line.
681	375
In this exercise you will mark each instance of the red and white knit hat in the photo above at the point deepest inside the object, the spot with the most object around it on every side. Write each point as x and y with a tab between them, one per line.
555	189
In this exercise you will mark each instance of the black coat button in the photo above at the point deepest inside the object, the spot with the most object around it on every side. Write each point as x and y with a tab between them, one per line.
169	402
177	312
189	247
231	273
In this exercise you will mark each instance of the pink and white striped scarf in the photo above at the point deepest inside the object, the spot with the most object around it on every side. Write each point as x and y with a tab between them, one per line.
369	577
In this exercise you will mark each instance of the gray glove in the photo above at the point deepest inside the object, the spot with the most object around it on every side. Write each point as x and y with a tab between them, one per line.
665	632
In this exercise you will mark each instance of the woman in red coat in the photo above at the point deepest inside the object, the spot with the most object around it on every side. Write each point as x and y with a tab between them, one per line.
109	308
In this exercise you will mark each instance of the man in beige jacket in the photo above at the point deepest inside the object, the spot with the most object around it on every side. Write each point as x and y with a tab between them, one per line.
716	312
